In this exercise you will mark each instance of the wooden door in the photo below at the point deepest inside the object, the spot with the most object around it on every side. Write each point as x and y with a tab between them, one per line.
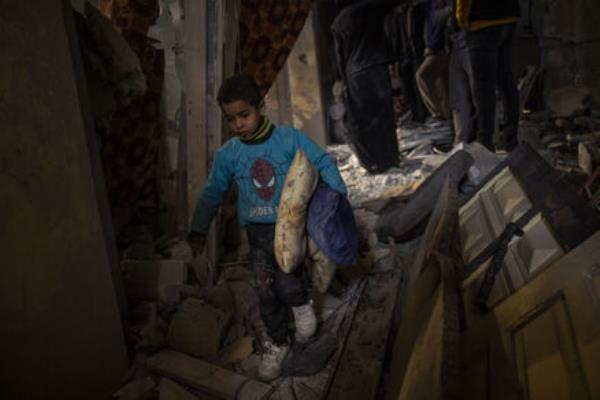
483	219
543	342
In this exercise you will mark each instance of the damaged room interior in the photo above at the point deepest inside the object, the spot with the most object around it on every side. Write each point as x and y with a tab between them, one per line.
300	199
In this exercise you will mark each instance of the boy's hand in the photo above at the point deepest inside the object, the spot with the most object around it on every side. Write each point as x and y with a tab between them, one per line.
197	242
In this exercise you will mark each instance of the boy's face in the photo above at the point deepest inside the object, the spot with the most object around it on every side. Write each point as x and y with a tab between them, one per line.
242	117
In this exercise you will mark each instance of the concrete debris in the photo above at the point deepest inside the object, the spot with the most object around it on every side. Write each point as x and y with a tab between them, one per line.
236	352
198	328
249	366
364	187
484	162
568	142
203	270
407	220
569	101
206	377
142	245
588	157
219	296
410	138
180	250
139	389
147	329
150	279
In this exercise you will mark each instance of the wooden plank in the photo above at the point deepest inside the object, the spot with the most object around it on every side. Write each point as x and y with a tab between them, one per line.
360	367
337	324
171	390
204	376
195	87
431	284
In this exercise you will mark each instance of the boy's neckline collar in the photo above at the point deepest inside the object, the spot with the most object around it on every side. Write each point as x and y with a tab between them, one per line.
262	133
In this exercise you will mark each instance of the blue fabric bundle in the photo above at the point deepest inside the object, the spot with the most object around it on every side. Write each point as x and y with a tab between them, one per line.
330	224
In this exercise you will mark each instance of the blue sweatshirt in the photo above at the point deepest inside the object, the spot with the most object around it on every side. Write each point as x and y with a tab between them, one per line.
259	170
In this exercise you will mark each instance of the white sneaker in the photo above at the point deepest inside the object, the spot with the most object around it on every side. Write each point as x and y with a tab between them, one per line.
305	321
272	360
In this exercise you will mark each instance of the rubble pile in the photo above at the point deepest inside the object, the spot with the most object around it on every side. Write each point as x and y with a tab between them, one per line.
196	334
364	187
567	135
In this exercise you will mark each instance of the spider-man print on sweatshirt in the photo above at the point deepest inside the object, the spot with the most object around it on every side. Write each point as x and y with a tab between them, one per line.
259	170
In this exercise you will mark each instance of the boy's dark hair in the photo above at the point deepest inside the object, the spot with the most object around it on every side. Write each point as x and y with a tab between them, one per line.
240	87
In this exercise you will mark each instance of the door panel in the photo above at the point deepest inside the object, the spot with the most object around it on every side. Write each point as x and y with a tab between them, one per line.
550	331
483	219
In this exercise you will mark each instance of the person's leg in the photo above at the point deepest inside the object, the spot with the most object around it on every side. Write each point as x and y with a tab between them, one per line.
372	129
508	87
461	102
291	290
430	77
482	47
273	311
443	80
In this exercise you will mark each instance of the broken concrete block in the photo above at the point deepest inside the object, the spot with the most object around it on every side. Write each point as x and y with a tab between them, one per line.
147	326
206	377
568	101
588	157
245	298
145	278
236	352
220	296
407	221
171	390
589	123
138	389
198	328
564	124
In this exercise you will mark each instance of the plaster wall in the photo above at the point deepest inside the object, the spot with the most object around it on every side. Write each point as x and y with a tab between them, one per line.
571	43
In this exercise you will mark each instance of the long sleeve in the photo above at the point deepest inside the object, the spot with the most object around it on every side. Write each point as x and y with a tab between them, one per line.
213	194
324	163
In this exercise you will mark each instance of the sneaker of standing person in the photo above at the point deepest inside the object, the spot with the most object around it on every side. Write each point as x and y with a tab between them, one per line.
305	322
272	361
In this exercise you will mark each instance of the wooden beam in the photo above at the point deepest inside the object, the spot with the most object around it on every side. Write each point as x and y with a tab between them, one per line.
359	371
195	32
206	377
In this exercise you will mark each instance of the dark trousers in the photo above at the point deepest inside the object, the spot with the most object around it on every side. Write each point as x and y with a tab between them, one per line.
276	290
461	102
490	53
372	129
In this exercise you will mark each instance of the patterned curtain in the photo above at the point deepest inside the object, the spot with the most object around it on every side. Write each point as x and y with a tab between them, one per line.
268	31
130	146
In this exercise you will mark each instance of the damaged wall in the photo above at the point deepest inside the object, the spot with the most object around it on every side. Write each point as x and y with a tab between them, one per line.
61	335
571	42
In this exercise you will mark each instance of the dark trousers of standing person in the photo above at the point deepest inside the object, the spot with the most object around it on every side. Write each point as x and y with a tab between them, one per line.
490	53
372	129
461	101
277	291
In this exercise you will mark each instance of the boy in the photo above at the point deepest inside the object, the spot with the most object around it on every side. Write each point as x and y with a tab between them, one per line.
257	159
